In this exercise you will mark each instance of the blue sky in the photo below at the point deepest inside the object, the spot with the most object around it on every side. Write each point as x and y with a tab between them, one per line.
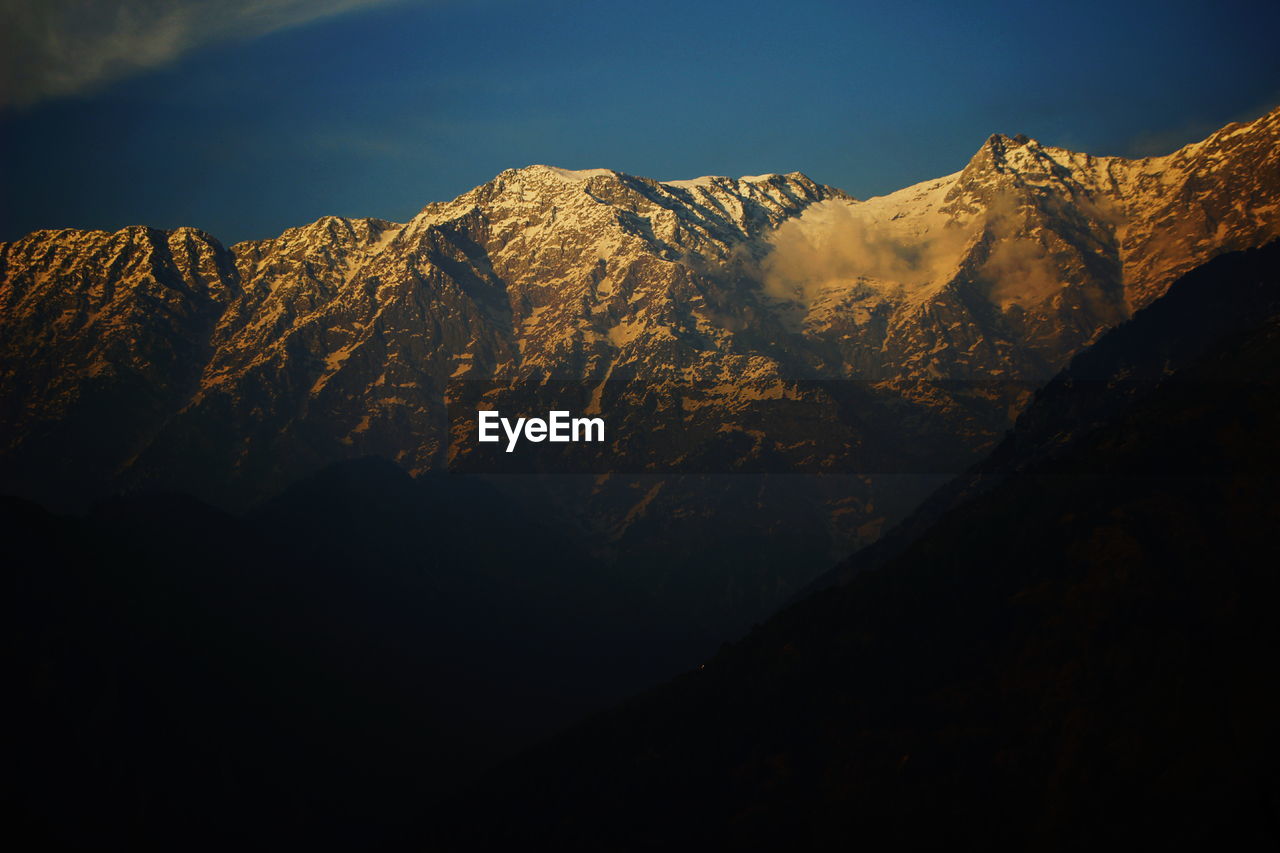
244	117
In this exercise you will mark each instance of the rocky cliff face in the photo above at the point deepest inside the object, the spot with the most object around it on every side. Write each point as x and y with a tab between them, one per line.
146	359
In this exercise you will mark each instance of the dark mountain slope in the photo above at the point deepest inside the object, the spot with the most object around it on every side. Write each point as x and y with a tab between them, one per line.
312	674
1225	296
1082	655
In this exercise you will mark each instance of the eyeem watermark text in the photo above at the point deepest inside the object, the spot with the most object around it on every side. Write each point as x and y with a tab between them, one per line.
558	427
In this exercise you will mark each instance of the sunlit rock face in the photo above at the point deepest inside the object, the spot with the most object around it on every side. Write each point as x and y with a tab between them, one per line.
146	359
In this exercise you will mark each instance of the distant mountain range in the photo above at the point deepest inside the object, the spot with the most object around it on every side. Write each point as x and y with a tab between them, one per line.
146	360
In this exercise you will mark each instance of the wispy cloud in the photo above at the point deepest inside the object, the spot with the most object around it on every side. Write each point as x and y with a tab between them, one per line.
834	243
53	48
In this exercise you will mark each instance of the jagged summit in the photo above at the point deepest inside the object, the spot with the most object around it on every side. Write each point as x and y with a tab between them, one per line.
713	180
582	175
571	174
1004	142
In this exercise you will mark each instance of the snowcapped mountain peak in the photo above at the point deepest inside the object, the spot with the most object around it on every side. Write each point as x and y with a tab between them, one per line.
572	175
1002	143
746	183
1001	154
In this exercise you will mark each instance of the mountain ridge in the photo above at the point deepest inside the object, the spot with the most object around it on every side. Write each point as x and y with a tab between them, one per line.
145	360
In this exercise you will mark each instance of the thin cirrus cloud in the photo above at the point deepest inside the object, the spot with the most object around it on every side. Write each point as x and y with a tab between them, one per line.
55	48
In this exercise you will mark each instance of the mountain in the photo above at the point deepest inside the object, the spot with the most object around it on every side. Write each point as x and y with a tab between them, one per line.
903	332
1078	655
275	584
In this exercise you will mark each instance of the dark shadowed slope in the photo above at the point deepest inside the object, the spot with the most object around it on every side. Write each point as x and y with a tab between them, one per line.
1083	654
316	674
1228	295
